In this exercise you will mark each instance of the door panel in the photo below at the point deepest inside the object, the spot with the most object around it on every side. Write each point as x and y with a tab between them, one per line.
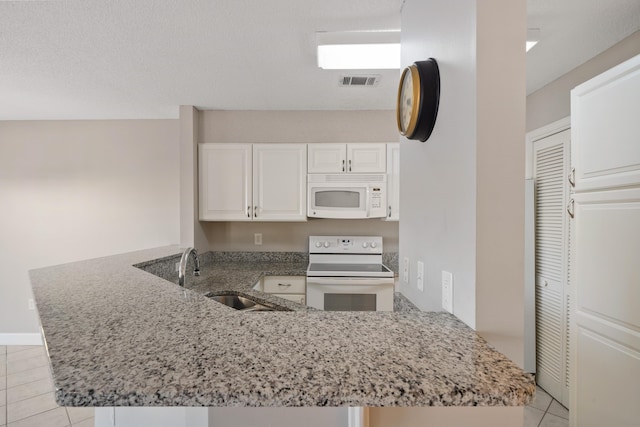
607	108
279	182
609	238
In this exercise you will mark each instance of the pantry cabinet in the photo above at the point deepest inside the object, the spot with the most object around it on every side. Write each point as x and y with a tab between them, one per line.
347	158
252	182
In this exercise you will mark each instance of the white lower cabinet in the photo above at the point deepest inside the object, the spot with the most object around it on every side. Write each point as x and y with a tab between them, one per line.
292	288
252	182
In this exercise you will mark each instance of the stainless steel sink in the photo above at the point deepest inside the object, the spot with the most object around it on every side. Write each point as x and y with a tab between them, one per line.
241	303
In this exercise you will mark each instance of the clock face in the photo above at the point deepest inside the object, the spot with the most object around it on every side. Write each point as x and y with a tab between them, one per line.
408	101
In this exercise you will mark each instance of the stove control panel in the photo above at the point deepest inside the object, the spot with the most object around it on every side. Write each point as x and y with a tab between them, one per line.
345	244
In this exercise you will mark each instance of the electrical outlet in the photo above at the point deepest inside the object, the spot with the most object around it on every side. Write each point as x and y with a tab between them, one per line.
177	267
447	291
257	239
420	276
405	270
32	305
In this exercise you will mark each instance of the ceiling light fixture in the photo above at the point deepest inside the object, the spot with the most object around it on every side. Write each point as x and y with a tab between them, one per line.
533	37
358	50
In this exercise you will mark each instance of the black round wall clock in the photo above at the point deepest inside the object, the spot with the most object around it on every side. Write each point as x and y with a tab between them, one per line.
418	99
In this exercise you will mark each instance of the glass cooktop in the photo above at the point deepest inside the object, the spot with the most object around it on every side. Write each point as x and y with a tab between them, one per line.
352	270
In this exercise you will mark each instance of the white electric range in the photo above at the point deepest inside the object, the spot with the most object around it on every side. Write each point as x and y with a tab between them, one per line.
346	273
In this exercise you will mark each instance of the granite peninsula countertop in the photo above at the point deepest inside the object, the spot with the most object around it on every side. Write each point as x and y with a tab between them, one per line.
117	335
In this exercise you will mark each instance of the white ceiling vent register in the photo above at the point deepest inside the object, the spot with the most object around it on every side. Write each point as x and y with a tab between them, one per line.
361	80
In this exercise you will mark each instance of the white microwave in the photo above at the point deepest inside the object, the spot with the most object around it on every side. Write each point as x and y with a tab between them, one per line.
346	196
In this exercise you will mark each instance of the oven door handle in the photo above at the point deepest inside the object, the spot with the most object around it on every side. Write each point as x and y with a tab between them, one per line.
350	281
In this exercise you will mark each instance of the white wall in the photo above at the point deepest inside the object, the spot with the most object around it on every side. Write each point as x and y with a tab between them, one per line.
301	127
462	191
71	190
438	177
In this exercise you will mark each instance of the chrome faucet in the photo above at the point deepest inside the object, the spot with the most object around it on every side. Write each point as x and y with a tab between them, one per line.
183	264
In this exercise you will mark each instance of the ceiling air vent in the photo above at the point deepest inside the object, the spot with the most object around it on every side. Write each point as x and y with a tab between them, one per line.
360	80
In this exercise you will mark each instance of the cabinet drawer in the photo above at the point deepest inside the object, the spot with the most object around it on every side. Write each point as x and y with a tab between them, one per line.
285	284
299	298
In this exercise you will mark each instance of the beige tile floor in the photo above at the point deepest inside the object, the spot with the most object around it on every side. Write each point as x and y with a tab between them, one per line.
26	396
26	392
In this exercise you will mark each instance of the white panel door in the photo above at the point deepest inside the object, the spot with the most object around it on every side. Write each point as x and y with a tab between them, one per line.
327	158
279	182
393	182
605	382
366	158
225	175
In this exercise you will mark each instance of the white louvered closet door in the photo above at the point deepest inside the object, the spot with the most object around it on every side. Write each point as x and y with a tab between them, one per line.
551	164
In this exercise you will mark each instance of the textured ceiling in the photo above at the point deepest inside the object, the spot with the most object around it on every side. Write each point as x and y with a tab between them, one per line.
574	31
87	59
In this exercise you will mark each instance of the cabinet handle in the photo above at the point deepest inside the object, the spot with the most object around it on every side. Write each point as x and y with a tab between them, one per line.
342	165
248	211
389	211
255	211
570	208
286	285
349	165
572	177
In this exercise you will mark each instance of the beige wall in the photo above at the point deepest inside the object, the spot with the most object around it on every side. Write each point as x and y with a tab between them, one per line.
501	88
552	102
303	127
72	190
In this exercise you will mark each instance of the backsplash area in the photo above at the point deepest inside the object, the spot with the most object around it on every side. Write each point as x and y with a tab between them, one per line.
293	236
166	267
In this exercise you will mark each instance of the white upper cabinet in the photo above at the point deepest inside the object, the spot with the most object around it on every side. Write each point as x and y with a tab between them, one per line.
259	182
225	176
393	182
280	182
347	158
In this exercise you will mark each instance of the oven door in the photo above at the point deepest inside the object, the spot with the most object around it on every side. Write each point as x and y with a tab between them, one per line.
337	201
350	293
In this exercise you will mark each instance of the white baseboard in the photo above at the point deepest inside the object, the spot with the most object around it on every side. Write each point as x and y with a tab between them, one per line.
20	339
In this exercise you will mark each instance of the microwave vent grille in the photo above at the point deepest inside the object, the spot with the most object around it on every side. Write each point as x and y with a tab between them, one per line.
354	178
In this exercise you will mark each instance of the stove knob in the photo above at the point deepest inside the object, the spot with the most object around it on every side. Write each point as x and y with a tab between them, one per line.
318	244
365	244
326	244
373	245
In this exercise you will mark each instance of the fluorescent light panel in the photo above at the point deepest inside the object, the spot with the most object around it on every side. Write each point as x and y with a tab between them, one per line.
359	50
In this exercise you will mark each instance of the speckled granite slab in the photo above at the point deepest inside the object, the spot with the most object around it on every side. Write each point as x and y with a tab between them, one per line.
119	336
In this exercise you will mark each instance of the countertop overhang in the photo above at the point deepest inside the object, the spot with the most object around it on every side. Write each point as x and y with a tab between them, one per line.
119	336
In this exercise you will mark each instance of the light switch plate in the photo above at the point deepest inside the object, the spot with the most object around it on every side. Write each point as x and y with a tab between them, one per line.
447	291
405	270
420	276
257	239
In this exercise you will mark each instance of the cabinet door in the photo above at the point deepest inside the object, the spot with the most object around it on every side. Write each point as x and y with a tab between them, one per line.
327	158
224	182
279	182
366	158
393	182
